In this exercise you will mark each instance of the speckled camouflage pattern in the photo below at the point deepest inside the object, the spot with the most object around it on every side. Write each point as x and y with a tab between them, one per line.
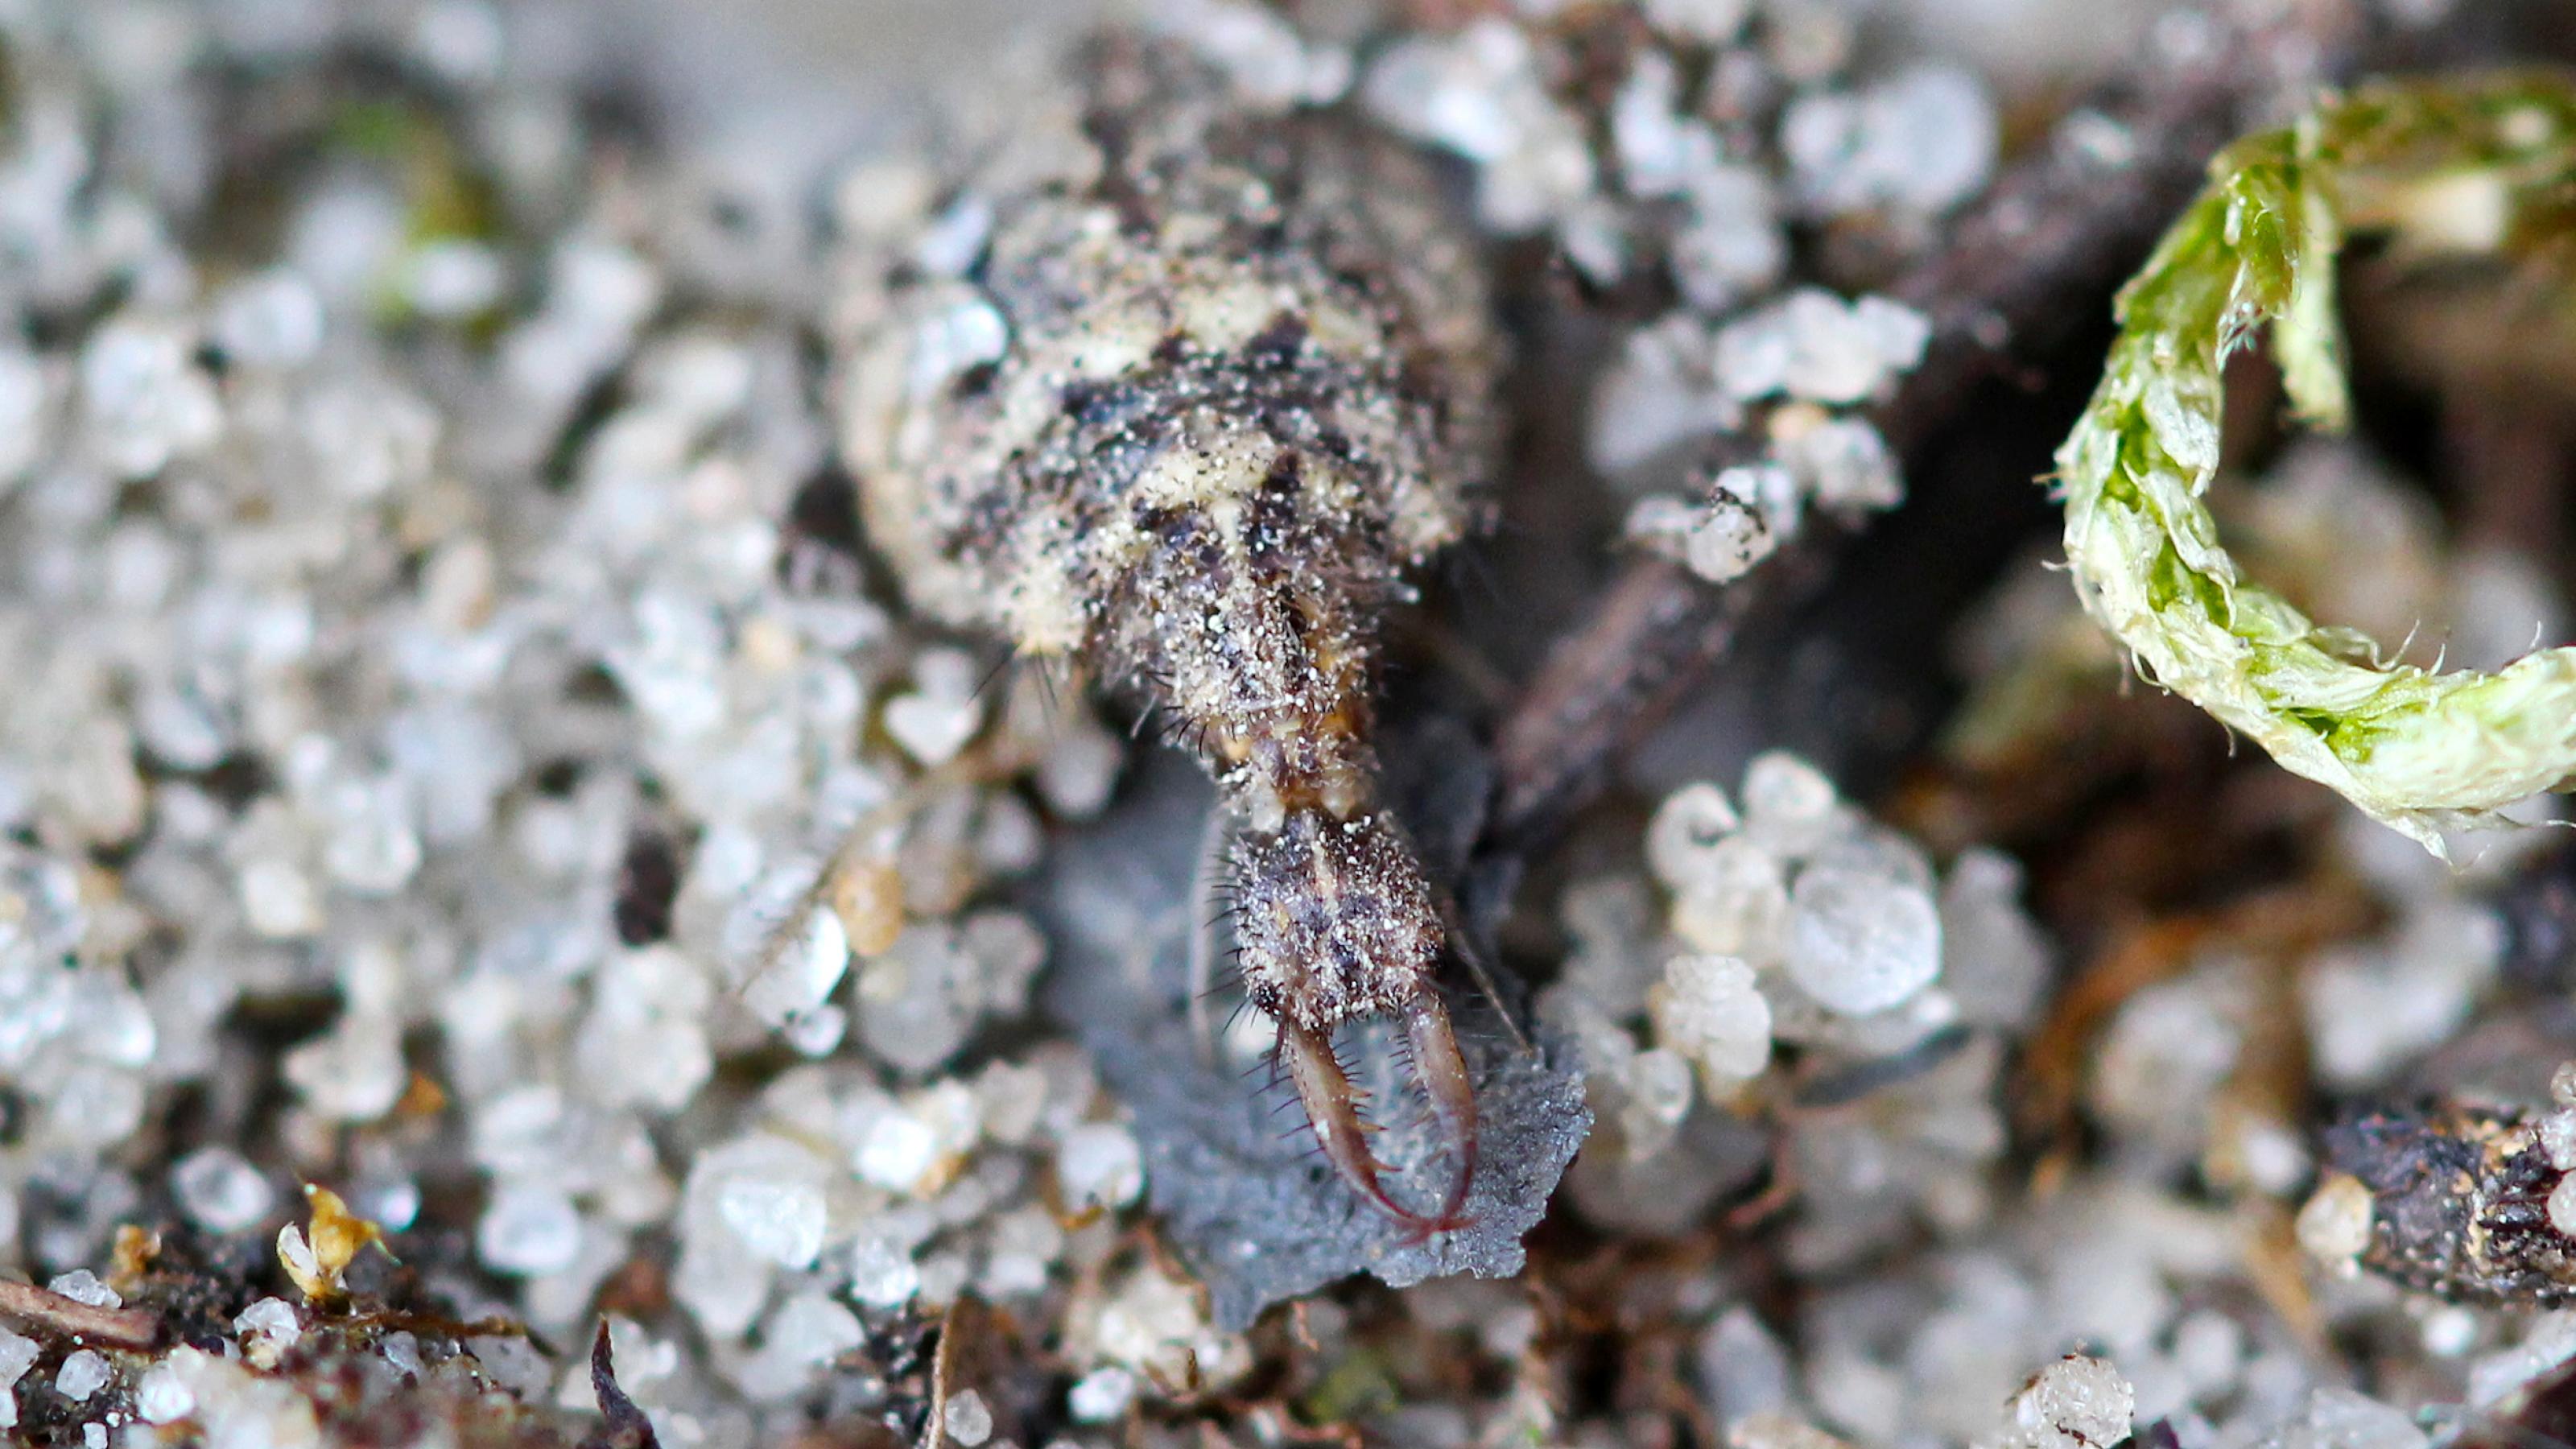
2459	1203
1213	380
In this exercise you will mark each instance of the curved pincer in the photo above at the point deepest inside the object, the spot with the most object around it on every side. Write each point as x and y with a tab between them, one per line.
1443	1071
1331	1107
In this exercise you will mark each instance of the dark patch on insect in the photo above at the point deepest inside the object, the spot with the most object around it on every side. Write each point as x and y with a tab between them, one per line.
1090	403
2459	1202
1275	511
1277	343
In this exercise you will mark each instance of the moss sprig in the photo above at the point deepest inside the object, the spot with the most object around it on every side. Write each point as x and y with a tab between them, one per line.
2484	165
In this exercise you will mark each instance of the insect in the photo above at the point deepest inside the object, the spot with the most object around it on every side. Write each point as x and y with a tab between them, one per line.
2460	1197
1177	388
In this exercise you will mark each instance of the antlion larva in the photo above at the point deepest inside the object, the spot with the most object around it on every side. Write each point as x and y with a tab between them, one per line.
1179	386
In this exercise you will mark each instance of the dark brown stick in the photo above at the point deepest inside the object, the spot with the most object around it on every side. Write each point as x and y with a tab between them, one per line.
2032	262
133	1328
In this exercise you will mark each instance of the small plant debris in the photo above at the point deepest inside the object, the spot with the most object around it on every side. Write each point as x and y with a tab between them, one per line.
2444	170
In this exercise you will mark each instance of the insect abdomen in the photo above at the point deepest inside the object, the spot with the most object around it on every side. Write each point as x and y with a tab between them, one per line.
2460	1202
1218	387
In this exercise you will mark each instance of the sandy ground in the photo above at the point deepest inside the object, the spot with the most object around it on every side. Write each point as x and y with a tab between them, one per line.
876	39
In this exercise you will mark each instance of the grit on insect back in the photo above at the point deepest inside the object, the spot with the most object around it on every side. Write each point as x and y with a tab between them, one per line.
1178	389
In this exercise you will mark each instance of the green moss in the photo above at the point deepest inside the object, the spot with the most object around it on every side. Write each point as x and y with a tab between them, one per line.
1359	1386
2416	750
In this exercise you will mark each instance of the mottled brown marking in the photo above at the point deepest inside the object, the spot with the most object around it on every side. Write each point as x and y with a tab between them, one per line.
2459	1202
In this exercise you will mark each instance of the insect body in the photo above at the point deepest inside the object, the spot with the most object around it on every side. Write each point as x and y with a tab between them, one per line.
1179	387
2460	1202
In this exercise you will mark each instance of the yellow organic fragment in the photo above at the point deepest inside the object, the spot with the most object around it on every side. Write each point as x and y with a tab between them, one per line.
316	1262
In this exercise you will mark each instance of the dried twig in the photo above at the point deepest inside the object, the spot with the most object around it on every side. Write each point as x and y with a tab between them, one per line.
135	1328
2032	262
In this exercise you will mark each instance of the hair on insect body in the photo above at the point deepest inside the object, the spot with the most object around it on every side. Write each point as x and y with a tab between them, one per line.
1180	386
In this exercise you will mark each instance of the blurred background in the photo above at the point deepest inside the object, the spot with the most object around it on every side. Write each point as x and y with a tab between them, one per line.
877	36
887	39
889	45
